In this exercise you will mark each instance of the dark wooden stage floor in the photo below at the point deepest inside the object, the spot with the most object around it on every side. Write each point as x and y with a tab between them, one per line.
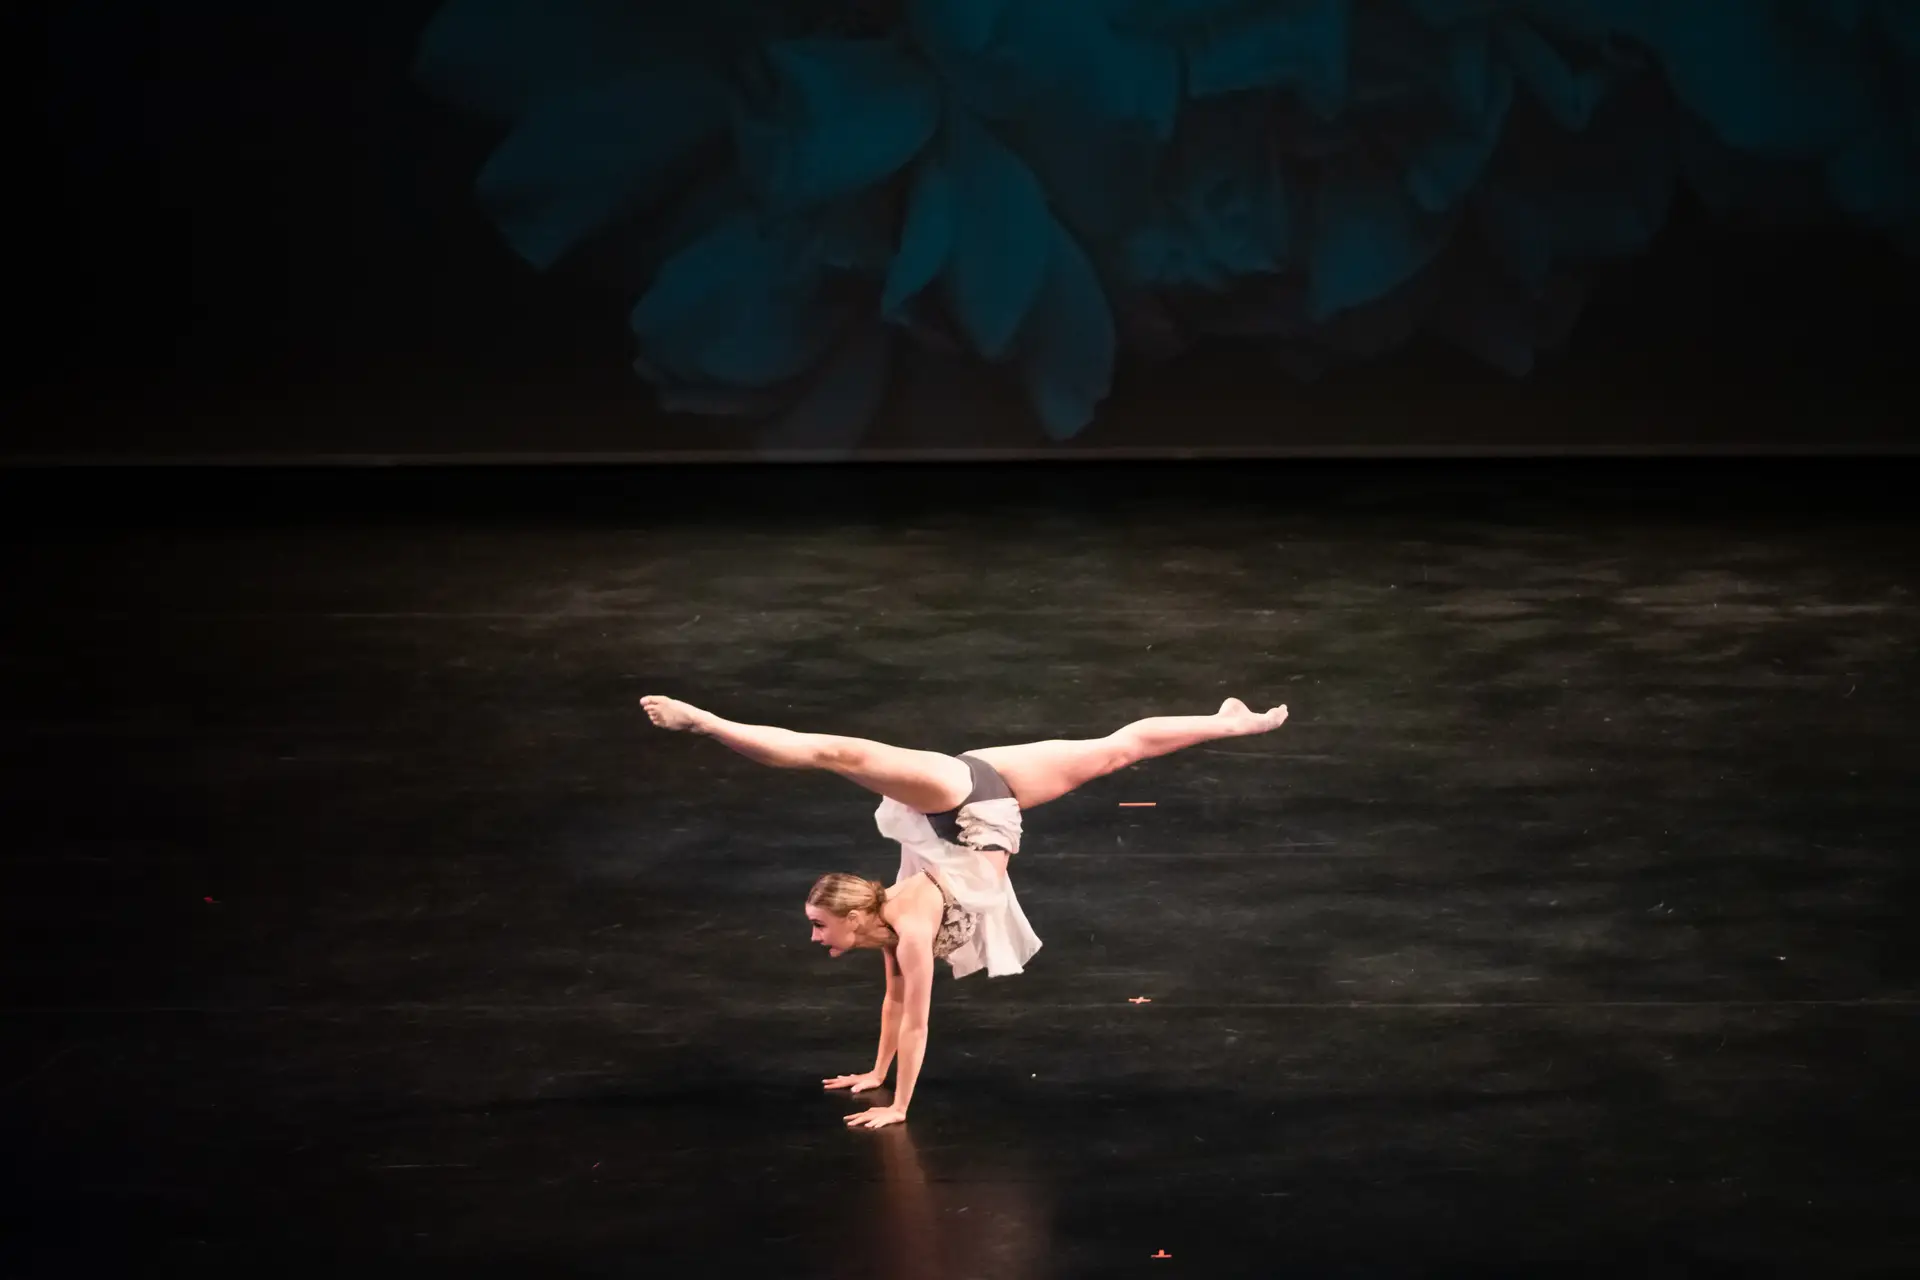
355	915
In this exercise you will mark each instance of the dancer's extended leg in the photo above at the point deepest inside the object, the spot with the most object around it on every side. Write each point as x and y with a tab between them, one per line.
925	780
1041	771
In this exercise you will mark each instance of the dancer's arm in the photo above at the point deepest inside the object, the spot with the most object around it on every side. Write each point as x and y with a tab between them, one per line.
890	1015
916	981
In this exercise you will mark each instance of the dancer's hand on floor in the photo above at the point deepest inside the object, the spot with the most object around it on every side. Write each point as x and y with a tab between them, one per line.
877	1118
859	1083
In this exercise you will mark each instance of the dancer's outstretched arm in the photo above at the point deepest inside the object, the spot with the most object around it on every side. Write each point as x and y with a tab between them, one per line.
892	1014
915	954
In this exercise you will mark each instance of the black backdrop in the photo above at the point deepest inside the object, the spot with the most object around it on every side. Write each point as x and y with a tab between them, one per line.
250	235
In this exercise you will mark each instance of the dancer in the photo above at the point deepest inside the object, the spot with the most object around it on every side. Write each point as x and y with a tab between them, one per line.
957	821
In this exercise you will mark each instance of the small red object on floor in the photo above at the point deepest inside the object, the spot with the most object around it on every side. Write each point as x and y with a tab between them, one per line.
1138	804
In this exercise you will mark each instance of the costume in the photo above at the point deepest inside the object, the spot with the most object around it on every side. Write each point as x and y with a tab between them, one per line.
998	939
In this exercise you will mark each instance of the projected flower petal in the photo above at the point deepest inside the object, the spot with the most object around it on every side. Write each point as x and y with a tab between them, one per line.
1003	236
925	242
743	305
1765	81
1068	344
1451	160
849	114
1225	214
1569	95
831	414
575	163
953	28
1299	45
1073	55
1368	239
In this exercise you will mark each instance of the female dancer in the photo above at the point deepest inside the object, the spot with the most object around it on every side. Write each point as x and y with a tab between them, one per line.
957	820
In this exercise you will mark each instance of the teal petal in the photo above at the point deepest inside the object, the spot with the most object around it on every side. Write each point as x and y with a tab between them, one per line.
1007	62
1367	239
1470	72
1569	96
1227	211
848	114
1302	46
1074	56
741	306
1099	177
828	421
926	240
1447	165
1763	82
1067	343
1002	237
574	163
956	27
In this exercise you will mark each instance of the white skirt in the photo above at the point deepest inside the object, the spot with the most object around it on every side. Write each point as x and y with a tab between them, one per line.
1003	941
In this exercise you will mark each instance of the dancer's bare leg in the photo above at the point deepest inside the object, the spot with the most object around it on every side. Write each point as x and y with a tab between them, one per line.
925	780
1041	771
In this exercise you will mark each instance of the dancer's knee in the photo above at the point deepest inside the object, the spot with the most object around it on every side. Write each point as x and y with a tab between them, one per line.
842	755
1123	747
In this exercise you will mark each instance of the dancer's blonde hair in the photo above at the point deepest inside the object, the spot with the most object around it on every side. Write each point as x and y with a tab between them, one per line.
843	894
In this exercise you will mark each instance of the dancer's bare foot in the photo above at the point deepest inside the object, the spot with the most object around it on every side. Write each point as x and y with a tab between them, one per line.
670	713
1243	721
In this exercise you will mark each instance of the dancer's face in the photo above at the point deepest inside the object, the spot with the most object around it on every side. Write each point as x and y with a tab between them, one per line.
837	933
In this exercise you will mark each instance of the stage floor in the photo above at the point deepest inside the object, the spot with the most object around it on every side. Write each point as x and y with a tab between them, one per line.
354	912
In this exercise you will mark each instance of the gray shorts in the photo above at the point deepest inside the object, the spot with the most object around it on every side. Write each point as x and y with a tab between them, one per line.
987	785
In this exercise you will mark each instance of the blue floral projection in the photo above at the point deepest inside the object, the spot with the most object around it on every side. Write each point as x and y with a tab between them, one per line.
791	189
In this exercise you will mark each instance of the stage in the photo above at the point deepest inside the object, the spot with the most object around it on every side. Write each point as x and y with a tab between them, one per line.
356	915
